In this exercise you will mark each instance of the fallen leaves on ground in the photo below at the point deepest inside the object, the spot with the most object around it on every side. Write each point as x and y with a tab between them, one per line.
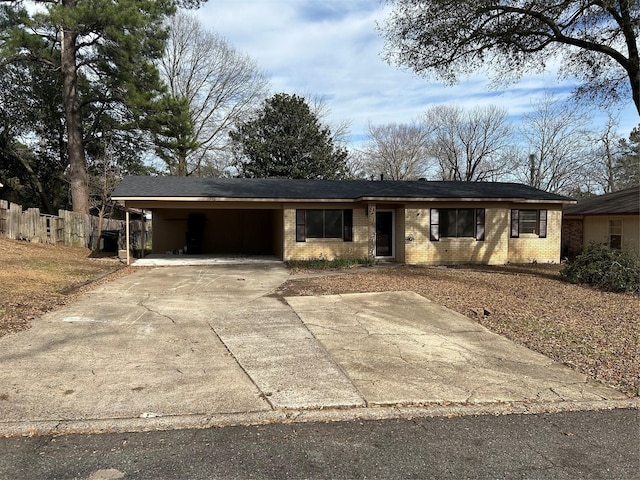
34	276
596	333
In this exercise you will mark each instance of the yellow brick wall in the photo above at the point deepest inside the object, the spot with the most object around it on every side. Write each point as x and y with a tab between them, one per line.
530	248
420	249
400	238
412	237
327	248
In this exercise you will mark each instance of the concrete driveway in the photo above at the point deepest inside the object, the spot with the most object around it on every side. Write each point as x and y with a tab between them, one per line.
203	345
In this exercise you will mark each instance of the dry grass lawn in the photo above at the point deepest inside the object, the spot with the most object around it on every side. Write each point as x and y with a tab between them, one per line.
594	332
36	278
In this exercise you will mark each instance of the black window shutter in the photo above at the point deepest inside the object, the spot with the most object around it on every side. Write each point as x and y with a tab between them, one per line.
301	216
515	223
347	225
542	223
434	221
480	224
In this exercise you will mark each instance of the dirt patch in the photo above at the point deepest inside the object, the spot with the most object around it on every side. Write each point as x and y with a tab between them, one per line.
594	332
37	278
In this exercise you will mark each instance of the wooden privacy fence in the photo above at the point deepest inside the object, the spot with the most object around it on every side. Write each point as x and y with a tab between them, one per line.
67	228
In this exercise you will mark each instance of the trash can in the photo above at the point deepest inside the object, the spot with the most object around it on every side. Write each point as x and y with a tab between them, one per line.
110	240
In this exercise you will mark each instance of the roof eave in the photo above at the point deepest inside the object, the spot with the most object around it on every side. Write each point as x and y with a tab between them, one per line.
341	200
464	199
230	199
603	214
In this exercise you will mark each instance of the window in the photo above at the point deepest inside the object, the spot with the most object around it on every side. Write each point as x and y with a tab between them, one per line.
324	224
457	222
615	234
316	223
528	221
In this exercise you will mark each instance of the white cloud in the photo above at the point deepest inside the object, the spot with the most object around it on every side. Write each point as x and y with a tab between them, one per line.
331	49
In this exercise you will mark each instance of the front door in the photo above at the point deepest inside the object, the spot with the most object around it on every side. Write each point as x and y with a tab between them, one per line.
384	233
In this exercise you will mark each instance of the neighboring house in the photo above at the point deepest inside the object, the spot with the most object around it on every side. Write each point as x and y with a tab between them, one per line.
406	221
612	219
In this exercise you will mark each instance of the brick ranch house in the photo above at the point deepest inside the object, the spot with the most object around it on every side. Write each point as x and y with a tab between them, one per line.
419	222
612	219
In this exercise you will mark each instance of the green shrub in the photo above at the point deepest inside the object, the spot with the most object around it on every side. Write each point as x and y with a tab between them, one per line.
322	263
604	268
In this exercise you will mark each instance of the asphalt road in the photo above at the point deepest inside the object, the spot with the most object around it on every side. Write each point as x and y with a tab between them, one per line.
575	445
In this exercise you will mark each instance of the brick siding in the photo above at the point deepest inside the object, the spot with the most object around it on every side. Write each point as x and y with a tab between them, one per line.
572	236
325	248
414	246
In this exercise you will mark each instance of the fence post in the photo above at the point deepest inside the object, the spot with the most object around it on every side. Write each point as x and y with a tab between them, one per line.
4	207
15	214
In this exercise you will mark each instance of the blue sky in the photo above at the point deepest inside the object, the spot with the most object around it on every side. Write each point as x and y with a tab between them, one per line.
331	49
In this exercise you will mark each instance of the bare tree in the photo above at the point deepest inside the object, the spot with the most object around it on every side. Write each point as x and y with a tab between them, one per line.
595	41
397	151
103	179
358	166
340	131
558	142
606	154
220	85
469	145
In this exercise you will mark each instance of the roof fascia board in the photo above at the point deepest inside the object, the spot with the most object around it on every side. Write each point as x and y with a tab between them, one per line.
461	199
232	199
339	200
604	214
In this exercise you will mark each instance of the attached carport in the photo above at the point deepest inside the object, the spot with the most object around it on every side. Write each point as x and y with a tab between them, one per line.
206	216
219	231
216	229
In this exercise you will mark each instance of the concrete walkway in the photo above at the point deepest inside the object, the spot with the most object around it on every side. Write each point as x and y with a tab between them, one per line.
171	347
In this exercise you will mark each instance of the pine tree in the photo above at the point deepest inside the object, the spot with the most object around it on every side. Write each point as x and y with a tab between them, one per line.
627	165
104	52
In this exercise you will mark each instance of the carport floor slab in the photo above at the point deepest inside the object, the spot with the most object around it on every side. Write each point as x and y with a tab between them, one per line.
168	260
401	348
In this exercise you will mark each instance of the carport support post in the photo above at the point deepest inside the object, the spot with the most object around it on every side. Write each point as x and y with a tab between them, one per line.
143	235
371	217
127	218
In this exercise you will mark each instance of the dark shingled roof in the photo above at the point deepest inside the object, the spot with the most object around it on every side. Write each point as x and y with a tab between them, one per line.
624	202
140	187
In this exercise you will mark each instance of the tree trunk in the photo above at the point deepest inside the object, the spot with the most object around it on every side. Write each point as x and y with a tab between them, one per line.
37	184
182	165
77	161
100	222
635	88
